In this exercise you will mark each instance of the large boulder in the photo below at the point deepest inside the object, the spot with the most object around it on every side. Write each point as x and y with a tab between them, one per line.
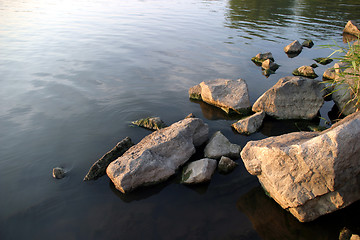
292	98
157	156
225	93
352	27
309	173
199	171
98	169
219	146
249	124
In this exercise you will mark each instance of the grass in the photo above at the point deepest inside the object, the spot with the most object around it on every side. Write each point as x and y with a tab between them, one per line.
348	77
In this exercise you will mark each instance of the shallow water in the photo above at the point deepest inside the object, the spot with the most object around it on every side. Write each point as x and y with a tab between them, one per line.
74	74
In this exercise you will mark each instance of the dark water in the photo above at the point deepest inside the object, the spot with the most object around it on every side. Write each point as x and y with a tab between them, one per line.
74	74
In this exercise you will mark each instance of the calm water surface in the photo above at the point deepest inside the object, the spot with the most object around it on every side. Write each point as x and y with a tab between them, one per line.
74	74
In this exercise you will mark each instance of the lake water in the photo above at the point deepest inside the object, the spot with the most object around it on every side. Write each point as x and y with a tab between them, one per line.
74	74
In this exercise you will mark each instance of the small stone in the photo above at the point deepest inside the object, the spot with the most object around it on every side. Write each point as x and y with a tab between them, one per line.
305	71
226	165
314	65
199	171
352	27
345	234
294	47
269	64
58	173
308	43
195	92
323	61
261	57
219	146
249	124
152	123
191	115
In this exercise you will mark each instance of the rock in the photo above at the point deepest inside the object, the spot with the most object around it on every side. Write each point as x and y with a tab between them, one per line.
343	97
292	98
261	57
98	169
323	61
355	237
199	171
195	92
338	68
305	71
308	43
293	48
345	234
191	115
152	123
58	173
310	174
269	64
227	94
157	156
329	74
249	124
352	27
226	165
314	65
219	146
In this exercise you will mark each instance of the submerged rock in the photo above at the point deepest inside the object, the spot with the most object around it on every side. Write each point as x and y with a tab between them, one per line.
323	61
226	165
58	173
199	171
219	146
305	71
310	174
249	124
157	156
293	48
308	43
98	169
226	94
292	98
152	123
261	57
352	27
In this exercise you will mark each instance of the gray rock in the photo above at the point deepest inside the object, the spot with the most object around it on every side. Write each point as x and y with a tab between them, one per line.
308	43
152	123
294	47
219	146
261	57
199	171
305	71
58	173
352	27
310	174
226	94
157	156
269	64
292	98
249	124
98	169
226	165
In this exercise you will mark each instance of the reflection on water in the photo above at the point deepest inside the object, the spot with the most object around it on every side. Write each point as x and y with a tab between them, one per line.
74	74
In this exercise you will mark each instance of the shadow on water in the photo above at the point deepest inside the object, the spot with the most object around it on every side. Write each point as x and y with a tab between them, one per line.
272	222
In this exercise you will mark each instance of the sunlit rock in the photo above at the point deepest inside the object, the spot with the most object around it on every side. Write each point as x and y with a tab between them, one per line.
58	173
219	146
292	98
269	64
308	173
261	57
199	171
305	71
249	124
352	27
98	169
293	48
157	156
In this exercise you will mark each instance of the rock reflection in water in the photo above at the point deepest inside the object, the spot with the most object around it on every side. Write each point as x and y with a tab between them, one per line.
214	113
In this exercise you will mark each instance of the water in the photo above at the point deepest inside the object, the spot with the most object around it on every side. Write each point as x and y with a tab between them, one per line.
74	74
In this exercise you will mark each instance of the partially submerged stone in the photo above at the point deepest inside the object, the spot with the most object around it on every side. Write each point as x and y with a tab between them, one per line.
308	43
226	94
269	64
310	174
293	48
292	98
158	155
199	171
337	69
226	165
249	124
352	27
98	169
195	92
219	146
305	71
323	61
261	57
152	123
58	173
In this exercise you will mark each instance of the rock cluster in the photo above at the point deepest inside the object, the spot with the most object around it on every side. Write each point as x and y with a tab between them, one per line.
249	124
